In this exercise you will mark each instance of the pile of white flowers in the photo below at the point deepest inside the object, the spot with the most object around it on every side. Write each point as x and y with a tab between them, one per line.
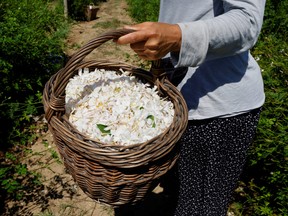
116	108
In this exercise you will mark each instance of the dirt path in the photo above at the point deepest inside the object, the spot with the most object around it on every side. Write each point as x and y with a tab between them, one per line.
111	15
68	199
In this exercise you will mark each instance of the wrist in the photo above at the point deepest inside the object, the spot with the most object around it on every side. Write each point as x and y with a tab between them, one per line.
177	37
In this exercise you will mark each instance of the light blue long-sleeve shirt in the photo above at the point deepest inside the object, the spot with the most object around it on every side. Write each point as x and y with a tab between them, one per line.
223	79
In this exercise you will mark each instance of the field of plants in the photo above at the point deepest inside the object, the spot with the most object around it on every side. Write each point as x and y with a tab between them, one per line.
31	50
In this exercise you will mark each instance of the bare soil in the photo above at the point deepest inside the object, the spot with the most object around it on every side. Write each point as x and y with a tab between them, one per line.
112	15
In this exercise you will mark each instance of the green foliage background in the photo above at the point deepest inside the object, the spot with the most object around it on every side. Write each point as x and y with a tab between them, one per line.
143	11
266	175
30	50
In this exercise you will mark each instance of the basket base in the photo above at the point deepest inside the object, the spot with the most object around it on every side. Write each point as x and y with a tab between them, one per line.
113	186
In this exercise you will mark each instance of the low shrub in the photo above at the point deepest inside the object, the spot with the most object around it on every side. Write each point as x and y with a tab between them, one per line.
266	176
31	45
143	11
31	50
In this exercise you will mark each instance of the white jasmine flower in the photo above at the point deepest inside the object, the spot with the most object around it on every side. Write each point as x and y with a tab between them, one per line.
116	109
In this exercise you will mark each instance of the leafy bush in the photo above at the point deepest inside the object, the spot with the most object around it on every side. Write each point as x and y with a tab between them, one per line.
143	11
31	45
275	20
266	176
30	51
12	177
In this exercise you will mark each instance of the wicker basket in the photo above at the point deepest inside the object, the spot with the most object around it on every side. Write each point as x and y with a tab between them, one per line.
112	174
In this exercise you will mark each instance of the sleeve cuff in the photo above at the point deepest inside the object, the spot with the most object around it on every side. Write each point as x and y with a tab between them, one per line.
194	45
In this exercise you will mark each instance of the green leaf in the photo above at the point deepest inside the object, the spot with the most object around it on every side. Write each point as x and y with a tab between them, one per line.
102	127
4	172
21	169
153	120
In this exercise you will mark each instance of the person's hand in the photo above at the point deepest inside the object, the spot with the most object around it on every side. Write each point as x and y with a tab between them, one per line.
153	40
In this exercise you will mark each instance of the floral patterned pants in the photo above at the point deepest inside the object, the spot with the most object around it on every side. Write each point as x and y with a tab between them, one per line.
212	155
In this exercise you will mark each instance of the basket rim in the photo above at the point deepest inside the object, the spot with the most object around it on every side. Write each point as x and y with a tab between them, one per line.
89	145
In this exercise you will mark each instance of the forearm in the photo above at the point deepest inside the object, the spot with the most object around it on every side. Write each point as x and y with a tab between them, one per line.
233	32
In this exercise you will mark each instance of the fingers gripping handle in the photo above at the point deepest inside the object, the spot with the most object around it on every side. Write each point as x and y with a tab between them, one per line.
156	68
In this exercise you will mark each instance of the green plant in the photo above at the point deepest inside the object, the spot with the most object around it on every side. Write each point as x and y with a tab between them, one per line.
53	153
31	44
275	20
266	176
12	175
31	50
267	172
143	11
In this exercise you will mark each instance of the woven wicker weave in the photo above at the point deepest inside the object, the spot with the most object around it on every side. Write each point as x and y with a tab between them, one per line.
112	174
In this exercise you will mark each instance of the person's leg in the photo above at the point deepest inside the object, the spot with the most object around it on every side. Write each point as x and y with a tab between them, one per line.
212	155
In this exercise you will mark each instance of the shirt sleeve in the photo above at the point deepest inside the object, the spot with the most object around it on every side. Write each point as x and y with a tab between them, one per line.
233	32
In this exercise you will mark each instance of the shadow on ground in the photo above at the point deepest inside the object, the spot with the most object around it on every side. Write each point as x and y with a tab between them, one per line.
155	204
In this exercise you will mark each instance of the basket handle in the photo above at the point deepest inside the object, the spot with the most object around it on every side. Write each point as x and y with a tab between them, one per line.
78	57
94	43
67	72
